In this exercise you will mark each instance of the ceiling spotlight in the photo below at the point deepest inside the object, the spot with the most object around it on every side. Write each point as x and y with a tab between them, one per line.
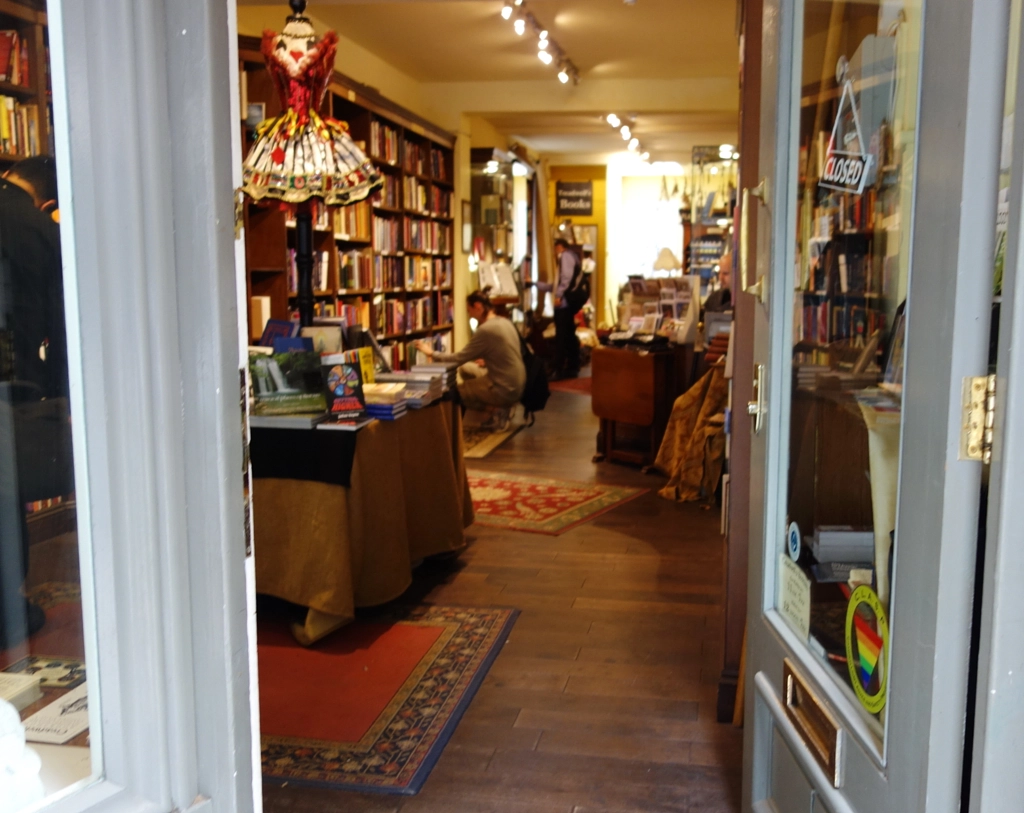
543	44
613	120
506	11
563	76
645	156
543	34
726	150
518	2
545	57
714	170
520	26
626	132
634	143
735	156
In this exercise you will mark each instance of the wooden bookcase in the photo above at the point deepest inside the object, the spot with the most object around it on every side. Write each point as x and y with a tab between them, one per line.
388	262
30	98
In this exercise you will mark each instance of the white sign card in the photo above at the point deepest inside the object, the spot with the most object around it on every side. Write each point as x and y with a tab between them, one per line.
794	596
62	720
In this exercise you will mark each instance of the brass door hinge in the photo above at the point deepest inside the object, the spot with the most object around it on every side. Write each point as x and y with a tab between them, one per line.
979	410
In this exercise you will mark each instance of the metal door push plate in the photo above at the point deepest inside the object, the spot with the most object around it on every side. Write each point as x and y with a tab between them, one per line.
820	731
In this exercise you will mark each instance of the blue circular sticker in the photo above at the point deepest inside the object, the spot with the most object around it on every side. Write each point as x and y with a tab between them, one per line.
793	541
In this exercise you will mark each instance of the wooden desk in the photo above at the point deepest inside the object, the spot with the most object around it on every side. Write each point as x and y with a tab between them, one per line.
633	393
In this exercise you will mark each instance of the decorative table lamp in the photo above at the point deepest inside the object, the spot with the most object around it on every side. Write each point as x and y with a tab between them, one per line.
301	157
667	261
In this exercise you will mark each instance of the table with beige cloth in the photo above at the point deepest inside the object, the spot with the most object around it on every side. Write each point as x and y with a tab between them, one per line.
332	548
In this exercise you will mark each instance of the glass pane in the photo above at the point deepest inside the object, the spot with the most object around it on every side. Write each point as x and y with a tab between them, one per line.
850	280
43	667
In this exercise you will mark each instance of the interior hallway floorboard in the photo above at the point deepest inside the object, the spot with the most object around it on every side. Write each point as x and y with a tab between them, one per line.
603	698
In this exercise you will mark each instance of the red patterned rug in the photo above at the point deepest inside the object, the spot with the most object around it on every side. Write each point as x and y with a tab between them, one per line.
577	386
371	707
542	506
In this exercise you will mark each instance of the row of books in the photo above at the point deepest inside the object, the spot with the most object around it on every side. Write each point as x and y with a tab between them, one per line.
440	201
391	318
429	236
415	195
424	160
389	195
321	266
396	316
404	355
19	127
384	142
361	270
387	235
824	319
353	222
14	59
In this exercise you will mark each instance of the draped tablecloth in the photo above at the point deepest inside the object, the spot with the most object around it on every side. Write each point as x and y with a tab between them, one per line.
331	549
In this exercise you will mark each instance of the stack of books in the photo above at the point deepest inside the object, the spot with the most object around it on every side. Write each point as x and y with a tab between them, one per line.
385	400
807	375
843	543
387	412
421	389
447	372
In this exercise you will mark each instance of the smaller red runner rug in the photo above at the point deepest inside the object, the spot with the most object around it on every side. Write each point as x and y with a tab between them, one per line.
371	707
542	506
577	386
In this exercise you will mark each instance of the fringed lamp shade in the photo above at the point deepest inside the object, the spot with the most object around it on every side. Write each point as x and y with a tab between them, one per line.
301	155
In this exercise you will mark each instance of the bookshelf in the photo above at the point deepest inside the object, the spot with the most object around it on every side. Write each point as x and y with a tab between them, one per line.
25	97
386	263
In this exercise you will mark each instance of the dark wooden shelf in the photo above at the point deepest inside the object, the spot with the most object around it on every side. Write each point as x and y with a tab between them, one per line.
355	291
388	210
20	91
380	163
354	240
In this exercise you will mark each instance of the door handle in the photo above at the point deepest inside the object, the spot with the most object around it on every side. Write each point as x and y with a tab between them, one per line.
756	408
759	288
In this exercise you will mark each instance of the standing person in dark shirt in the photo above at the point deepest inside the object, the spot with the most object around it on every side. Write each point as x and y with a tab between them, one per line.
567	346
35	432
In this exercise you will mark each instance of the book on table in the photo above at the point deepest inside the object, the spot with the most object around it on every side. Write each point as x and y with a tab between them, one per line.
343	381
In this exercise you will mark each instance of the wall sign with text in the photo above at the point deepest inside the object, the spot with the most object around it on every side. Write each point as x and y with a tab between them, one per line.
574	198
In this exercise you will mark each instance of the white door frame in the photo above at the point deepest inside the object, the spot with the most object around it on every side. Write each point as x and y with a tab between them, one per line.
144	127
997	781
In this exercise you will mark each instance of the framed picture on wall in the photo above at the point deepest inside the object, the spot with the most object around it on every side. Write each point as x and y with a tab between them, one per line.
467	227
585	236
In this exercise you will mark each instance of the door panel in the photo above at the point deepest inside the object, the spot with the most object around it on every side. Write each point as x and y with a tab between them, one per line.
875	313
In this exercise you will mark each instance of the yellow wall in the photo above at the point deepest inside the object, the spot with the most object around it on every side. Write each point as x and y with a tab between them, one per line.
598	175
485	135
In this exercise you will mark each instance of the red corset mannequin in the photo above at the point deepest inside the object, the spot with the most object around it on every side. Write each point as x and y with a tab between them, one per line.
299	154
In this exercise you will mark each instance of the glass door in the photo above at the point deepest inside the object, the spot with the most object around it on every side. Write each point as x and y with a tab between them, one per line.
875	289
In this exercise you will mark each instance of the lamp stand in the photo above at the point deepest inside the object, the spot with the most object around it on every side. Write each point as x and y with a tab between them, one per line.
304	262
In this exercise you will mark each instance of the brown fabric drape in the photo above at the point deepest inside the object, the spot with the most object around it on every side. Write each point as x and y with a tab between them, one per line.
692	450
332	549
545	240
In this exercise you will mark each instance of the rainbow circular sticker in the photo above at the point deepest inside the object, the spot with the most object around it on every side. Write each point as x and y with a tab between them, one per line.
867	647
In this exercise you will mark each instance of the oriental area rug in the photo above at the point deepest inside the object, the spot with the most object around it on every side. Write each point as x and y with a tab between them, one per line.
371	707
542	506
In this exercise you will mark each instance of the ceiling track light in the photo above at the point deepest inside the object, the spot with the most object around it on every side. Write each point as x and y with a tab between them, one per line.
548	51
613	120
626	132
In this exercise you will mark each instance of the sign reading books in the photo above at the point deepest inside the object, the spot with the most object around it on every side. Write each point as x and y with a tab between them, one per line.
847	163
574	198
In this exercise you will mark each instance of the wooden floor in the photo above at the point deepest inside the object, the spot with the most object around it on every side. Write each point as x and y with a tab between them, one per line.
603	699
